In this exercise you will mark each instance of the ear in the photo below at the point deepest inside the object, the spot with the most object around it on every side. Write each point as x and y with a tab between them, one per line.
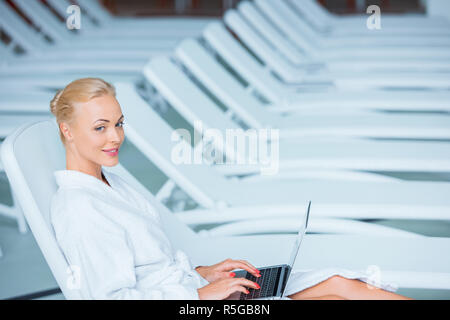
65	129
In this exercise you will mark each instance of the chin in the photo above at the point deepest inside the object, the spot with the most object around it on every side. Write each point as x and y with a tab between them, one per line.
111	163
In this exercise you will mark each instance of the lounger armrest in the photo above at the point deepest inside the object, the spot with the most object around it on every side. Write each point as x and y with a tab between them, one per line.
287	109
292	225
320	174
226	215
320	210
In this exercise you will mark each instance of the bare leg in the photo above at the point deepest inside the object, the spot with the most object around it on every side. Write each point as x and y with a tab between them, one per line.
348	289
330	297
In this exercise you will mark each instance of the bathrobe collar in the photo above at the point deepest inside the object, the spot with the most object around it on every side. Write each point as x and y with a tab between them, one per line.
78	179
74	178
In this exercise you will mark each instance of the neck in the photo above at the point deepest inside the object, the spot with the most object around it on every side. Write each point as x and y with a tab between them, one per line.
86	166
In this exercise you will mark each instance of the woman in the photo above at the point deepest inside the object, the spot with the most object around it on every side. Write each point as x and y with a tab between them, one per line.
114	235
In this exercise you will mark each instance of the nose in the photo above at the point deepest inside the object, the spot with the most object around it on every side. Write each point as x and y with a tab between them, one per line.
115	136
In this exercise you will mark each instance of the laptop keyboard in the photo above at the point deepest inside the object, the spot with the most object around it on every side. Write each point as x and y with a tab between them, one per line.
268	283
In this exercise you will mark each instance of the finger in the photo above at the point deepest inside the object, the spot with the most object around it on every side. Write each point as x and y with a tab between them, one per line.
240	264
223	275
240	289
246	283
249	264
228	274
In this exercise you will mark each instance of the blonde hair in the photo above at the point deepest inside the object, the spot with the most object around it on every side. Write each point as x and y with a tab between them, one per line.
83	90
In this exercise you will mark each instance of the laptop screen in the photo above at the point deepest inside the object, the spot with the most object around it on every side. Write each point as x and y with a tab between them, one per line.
300	235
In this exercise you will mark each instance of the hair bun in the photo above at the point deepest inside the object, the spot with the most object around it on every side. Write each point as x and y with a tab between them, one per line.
54	102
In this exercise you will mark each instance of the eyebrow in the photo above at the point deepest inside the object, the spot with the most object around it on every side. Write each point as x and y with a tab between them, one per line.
104	120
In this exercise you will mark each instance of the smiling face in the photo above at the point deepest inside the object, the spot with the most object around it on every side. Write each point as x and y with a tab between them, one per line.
96	133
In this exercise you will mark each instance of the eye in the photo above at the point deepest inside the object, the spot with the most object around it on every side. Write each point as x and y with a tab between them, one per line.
99	128
120	124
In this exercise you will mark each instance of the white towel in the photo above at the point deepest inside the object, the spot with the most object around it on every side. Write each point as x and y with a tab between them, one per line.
301	280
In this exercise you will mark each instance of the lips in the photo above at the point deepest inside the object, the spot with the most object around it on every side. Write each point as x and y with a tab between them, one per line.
111	152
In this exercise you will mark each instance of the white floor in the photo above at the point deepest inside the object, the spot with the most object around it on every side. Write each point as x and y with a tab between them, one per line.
25	274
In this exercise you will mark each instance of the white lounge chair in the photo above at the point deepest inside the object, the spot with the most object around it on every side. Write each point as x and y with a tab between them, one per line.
335	226
8	123
424	267
361	34
287	99
378	80
252	112
263	199
388	35
294	154
37	43
99	22
102	16
300	58
327	22
42	17
52	82
28	62
286	18
46	67
17	108
50	73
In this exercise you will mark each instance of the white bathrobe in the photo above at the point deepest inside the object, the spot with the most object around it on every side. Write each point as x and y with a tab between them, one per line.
113	237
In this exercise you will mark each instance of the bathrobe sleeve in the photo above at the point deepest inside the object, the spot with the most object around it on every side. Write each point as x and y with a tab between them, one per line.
101	250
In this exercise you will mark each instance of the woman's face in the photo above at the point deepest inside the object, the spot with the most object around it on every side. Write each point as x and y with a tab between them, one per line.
97	131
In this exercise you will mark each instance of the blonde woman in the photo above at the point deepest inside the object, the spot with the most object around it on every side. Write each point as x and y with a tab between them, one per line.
114	235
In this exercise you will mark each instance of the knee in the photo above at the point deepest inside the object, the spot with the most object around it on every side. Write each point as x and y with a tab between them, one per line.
338	283
326	297
333	297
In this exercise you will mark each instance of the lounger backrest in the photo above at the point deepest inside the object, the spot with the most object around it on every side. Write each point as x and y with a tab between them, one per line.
32	178
288	15
30	156
315	8
24	35
221	83
96	10
289	22
153	136
312	11
188	99
270	32
260	47
60	6
191	102
242	62
44	19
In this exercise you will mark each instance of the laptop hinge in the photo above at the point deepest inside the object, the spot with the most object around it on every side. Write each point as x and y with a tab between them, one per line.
286	275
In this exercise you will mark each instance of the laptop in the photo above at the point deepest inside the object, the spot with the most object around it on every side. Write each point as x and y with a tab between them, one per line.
273	279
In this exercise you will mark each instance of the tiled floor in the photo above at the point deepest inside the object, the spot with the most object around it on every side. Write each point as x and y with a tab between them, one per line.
23	270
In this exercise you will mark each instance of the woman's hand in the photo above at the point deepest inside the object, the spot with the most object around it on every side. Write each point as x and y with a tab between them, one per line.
222	269
222	289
